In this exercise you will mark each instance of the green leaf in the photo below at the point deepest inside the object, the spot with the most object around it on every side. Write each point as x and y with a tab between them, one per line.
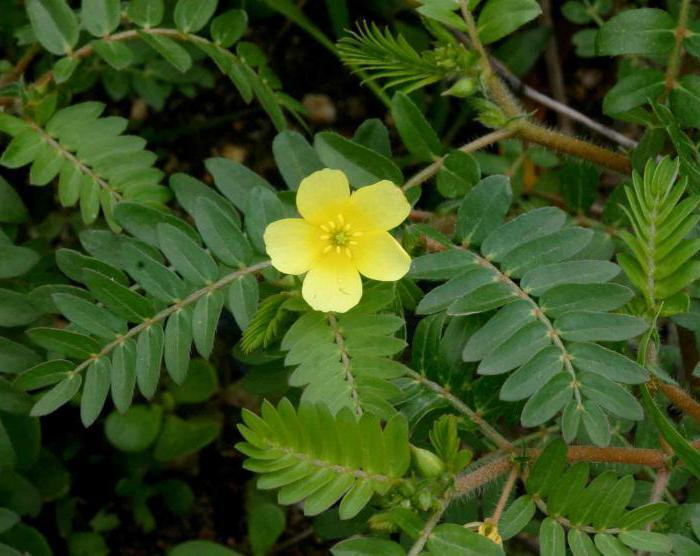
95	390
361	165
442	266
177	344
538	280
610	546
605	362
235	181
529	226
145	13
450	539
59	395
577	297
579	184
15	357
442	296
192	15
367	546
415	131
243	295
168	49
266	97
201	548
295	158
596	423
188	258
66	342
647	31
646	540
118	298
483	209
459	172
685	100
16	309
180	437
221	233
115	53
611	396
533	375
228	27
643	515
498	329
135	430
548	468
149	355
581	544
205	319
43	374
633	90
123	375
12	209
93	318
55	25
583	326
22	150
552	542
485	298
516	517
548	401
499	18
100	17
374	135
199	386
516	350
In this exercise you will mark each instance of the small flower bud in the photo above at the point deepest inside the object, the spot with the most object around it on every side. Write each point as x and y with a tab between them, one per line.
462	88
428	464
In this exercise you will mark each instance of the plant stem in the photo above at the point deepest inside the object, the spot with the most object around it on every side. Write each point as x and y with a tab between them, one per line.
674	62
484	141
345	360
554	73
503	498
430	525
524	128
492	434
165	313
681	399
21	65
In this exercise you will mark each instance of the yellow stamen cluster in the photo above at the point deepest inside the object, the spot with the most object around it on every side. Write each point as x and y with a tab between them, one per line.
338	235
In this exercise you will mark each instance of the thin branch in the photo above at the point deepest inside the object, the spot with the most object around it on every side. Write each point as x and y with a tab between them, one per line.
489	432
503	498
165	313
477	144
430	525
554	73
20	66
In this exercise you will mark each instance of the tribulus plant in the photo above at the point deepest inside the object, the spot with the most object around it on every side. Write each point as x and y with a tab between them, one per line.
356	278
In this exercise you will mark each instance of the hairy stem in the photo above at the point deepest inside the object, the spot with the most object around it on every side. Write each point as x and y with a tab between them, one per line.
681	399
503	498
523	127
165	313
429	171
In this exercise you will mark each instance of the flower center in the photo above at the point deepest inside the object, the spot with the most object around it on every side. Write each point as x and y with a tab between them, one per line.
338	235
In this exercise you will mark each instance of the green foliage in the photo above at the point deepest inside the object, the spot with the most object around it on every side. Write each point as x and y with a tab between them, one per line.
546	303
661	260
305	460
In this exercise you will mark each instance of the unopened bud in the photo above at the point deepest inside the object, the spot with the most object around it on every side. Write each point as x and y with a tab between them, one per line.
462	88
428	464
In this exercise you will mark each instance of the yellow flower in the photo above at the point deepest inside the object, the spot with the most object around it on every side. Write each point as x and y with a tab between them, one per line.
490	531
339	237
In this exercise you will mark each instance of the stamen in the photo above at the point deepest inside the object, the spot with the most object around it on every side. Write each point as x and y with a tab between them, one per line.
337	249
341	219
327	248
332	225
348	253
324	228
352	243
356	234
325	236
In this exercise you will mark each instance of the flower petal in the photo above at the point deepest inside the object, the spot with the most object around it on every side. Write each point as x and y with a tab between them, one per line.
293	244
332	284
382	206
322	194
380	257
